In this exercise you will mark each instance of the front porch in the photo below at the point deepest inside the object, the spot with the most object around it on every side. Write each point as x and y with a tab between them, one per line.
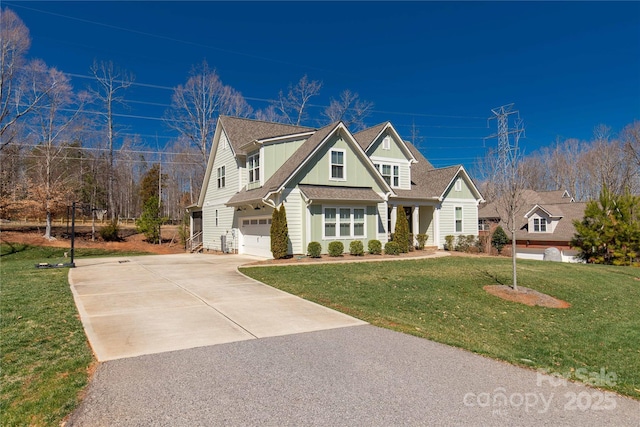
421	218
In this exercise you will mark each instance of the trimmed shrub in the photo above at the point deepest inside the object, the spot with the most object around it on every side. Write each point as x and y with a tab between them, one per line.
401	233
391	248
279	233
499	239
314	249
336	249
110	232
422	241
356	248
465	243
449	242
411	245
375	247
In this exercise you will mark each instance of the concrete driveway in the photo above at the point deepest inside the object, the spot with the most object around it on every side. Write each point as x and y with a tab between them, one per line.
132	306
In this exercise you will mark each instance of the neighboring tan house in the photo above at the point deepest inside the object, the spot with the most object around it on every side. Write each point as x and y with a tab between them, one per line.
545	220
335	185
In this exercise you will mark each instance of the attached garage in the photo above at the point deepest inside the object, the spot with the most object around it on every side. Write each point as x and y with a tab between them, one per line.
256	236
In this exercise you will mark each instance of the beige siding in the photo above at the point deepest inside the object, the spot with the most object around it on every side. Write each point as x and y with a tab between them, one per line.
215	198
294	205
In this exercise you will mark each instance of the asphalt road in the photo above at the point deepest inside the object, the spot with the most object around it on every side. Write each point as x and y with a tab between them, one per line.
353	376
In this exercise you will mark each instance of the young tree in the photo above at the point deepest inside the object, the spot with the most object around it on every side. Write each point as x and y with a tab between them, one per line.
349	109
499	239
110	82
401	233
292	107
151	218
609	233
196	105
51	124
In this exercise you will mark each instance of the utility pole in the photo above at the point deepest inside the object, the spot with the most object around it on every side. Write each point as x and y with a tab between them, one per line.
508	181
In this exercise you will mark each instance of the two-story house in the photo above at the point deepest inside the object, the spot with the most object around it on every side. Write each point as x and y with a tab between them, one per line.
335	185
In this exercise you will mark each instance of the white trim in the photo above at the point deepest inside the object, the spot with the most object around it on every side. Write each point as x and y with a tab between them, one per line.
455	220
386	142
337	222
344	164
252	169
458	185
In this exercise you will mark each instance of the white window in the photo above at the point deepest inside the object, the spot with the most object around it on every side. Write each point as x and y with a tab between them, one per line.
391	174
344	223
253	164
540	225
386	143
458	219
337	165
330	222
458	184
221	177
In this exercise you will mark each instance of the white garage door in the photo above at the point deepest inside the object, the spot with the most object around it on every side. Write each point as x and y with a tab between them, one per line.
256	237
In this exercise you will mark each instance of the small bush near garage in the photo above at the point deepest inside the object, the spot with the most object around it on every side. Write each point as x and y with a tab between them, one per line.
391	248
314	249
336	249
356	248
375	247
422	241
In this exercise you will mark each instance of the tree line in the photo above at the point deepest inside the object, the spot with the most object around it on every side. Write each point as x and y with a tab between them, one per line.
60	144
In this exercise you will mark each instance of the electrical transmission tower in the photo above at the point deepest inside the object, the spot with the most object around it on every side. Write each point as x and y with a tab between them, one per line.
507	152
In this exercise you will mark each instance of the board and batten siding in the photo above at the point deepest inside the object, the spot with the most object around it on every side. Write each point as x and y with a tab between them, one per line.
274	155
215	199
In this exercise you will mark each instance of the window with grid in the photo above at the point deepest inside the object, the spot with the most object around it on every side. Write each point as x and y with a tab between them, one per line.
221	177
540	225
253	164
358	222
330	222
345	222
337	164
458	219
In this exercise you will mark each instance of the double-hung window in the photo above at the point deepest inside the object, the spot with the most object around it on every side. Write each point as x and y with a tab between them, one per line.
330	222
540	225
458	219
253	164
221	177
344	223
338	164
390	173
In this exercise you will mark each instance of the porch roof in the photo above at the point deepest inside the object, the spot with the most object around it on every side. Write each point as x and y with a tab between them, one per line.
327	192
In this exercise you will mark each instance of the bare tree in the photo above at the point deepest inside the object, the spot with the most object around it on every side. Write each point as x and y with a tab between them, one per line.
630	136
16	91
349	109
196	105
51	126
110	82
292	107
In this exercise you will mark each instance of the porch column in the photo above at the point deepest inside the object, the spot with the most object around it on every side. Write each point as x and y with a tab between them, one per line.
394	216
416	223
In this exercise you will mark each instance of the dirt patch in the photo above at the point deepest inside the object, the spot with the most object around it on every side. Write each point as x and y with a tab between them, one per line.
526	296
132	241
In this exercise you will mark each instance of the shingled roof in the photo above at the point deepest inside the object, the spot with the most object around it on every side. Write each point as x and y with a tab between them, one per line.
286	170
329	192
365	137
242	131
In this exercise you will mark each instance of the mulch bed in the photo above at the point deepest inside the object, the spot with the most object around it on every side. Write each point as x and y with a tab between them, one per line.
300	259
526	296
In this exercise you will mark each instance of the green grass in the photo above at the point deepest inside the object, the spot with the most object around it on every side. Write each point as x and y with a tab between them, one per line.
443	300
44	352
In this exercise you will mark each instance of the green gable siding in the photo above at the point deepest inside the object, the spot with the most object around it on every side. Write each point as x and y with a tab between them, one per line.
464	193
316	172
274	155
394	152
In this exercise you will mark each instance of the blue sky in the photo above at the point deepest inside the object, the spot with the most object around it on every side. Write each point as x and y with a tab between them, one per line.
567	66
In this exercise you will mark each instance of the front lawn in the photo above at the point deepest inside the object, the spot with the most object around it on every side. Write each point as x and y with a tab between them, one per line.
45	357
443	300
